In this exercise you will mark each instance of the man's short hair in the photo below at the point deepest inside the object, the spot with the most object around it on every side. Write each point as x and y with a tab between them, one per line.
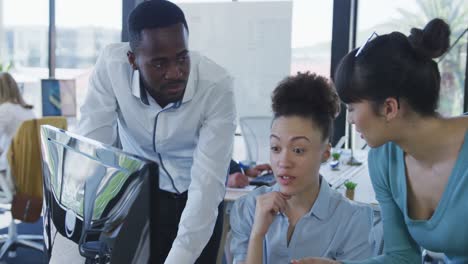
153	14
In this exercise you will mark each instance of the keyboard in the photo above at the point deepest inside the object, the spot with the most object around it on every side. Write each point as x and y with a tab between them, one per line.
265	179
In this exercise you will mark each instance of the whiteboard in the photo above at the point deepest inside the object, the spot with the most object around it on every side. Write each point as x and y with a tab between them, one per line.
252	40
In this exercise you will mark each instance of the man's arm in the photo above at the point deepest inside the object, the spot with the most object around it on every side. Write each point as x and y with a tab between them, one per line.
241	220
209	171
98	112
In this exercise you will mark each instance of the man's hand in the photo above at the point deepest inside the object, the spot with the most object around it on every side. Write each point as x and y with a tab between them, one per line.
314	261
237	180
267	207
255	171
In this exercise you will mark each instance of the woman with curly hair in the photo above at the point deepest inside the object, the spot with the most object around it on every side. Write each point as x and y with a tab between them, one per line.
301	215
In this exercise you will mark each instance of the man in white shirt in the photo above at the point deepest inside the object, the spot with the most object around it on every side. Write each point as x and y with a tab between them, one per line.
174	107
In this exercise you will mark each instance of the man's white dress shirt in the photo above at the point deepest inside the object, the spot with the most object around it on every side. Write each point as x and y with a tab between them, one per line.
191	140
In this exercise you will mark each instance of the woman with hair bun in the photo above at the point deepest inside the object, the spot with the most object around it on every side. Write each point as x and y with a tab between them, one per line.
419	160
300	216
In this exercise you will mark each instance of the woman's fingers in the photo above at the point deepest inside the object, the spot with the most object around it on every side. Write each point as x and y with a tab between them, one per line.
280	202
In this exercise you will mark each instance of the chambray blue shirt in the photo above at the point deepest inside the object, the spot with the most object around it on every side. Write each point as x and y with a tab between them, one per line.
446	231
335	228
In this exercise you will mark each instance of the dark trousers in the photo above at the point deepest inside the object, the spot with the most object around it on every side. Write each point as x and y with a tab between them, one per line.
171	207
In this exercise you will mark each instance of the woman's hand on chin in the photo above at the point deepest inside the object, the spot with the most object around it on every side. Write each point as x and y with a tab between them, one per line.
267	207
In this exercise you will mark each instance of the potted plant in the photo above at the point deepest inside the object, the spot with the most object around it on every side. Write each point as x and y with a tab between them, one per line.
350	186
335	162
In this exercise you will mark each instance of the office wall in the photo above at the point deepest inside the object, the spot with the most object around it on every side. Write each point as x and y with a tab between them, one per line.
251	39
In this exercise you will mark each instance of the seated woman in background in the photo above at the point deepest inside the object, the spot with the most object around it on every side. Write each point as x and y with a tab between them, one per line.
13	111
419	161
301	215
239	178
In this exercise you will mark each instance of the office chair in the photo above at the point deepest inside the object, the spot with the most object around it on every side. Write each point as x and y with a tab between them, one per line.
24	159
256	133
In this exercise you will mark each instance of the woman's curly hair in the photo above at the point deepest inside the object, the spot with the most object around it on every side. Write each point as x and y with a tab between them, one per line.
307	95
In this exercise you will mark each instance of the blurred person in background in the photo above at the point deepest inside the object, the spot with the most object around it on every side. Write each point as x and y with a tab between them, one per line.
239	177
13	112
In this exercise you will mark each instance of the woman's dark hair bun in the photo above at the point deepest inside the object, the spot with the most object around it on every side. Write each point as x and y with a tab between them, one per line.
433	40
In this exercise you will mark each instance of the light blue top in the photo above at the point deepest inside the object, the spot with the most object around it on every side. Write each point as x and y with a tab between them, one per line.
334	228
446	231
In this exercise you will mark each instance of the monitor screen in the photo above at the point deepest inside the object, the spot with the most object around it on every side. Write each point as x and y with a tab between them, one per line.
97	199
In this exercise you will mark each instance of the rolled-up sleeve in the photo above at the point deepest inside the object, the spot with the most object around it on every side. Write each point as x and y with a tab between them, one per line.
241	219
208	175
99	111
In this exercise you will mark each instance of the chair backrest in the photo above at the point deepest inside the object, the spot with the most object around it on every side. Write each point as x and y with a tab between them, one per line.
94	195
24	155
256	133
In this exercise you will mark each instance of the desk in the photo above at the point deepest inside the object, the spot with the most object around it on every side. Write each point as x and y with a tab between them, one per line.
364	191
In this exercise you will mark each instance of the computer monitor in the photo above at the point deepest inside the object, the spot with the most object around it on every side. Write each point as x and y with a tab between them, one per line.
99	201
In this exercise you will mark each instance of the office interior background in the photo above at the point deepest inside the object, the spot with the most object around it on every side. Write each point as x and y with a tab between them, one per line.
61	39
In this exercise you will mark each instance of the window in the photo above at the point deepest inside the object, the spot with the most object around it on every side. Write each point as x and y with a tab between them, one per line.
272	40
24	45
83	29
311	36
24	36
402	15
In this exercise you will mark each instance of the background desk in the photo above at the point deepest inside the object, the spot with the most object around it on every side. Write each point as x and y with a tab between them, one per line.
359	174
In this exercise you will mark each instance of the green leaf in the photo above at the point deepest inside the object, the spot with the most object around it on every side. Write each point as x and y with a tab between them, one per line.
336	155
350	185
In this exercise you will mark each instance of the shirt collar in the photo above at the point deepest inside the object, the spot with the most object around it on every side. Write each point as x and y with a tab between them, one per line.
320	209
191	84
139	91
